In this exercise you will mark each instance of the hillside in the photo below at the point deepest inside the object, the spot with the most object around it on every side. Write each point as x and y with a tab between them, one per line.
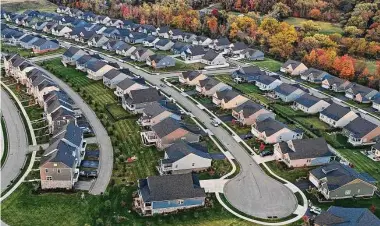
22	5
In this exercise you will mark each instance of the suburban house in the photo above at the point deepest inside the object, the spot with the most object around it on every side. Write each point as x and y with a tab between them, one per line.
361	94
361	132
271	131
155	113
125	49
337	215
189	37
202	41
293	67
249	113
237	48
136	100
375	149
183	157
39	26
314	75
336	84
337	116
191	78
58	113
209	86
166	132
157	61
176	34
113	77
338	181
288	92
83	61
42	45
164	44
102	19
27	41
310	104
267	83
147	28
213	58
96	69
304	152
169	193
112	45
220	44
63	9
126	86
228	99
252	54
163	32
141	54
194	53
376	102
135	37
150	40
59	166
61	30
179	47
248	74
71	55
97	41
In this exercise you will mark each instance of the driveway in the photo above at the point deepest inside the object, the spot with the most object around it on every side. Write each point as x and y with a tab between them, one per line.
17	141
104	142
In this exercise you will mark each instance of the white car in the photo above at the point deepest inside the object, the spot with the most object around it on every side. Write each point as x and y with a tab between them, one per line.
315	210
215	123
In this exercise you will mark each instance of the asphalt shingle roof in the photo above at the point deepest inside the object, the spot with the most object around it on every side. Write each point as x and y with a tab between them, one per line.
181	148
341	216
360	127
307	148
270	126
307	100
249	108
144	96
335	111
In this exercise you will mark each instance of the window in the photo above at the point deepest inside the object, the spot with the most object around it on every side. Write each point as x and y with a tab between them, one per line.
193	164
347	192
46	170
49	178
59	171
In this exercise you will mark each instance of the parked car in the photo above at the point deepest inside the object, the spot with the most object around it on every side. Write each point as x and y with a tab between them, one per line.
215	122
248	136
266	153
315	210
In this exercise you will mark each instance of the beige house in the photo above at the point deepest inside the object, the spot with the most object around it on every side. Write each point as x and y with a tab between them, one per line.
337	116
209	86
310	104
293	67
96	69
249	113
126	86
228	99
361	132
191	78
155	113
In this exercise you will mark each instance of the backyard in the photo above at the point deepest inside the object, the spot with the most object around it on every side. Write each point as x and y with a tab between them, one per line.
267	63
326	27
27	53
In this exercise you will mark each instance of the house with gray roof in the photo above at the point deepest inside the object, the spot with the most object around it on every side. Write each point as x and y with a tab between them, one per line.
61	30
209	86
166	132
361	132
96	69
112	45
304	152
191	78
293	67
176	34
287	92
125	49
267	83
112	77
376	102
252	54
220	44
27	41
141	54
126	86
158	61
310	104
169	193
71	55
271	131
136	100
58	114
337	116
189	37
179	47
360	93
342	216
97	40
150	40
248	74
59	165
156	112
249	112
82	62
163	32
136	37
228	99
213	58
338	181
237	48
314	75
43	45
194	53
336	84
164	44
202	41
183	157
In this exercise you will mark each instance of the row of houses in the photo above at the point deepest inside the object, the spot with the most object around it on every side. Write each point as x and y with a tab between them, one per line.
36	43
59	166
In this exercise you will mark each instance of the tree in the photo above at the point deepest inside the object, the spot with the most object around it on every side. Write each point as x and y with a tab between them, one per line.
212	24
280	10
238	5
344	67
282	43
310	27
315	14
352	31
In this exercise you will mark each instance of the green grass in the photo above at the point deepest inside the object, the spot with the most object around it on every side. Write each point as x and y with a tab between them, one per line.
291	175
27	53
180	66
326	27
270	64
239	129
20	6
117	111
371	65
312	122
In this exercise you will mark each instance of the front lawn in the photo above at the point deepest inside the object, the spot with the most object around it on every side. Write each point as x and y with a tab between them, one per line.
290	174
312	122
270	64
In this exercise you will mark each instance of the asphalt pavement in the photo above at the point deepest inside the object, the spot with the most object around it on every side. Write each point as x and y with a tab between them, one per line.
17	141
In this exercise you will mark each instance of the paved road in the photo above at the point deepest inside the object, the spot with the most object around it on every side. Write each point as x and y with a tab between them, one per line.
252	191
17	140
105	145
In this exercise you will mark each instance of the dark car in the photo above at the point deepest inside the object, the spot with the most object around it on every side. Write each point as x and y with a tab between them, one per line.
248	136
266	153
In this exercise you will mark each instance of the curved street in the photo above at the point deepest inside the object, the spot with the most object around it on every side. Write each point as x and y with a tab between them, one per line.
17	141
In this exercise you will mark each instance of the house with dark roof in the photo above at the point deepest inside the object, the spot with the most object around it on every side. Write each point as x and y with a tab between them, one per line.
126	86
71	55
202	41
228	99
63	9
237	48
293	67
164	44
158	61
59	113
166	132
267	83
156	112
213	58
191	78
112	45
337	116
82	62
59	165
338	181
27	41
49	26
61	30
22	71
125	49
141	54
176	34
194	53
209	86
39	25
310	104
252	54
136	100
102	19
89	16
248	113
361	132
97	40
287	92
376	102
189	37
342	216
96	69
116	23
314	75
135	37
375	149
112	77
43	45
163	32
247	74
336	84
304	152
169	193
150	40
183	157
271	131
146	28
179	47
360	93
220	44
